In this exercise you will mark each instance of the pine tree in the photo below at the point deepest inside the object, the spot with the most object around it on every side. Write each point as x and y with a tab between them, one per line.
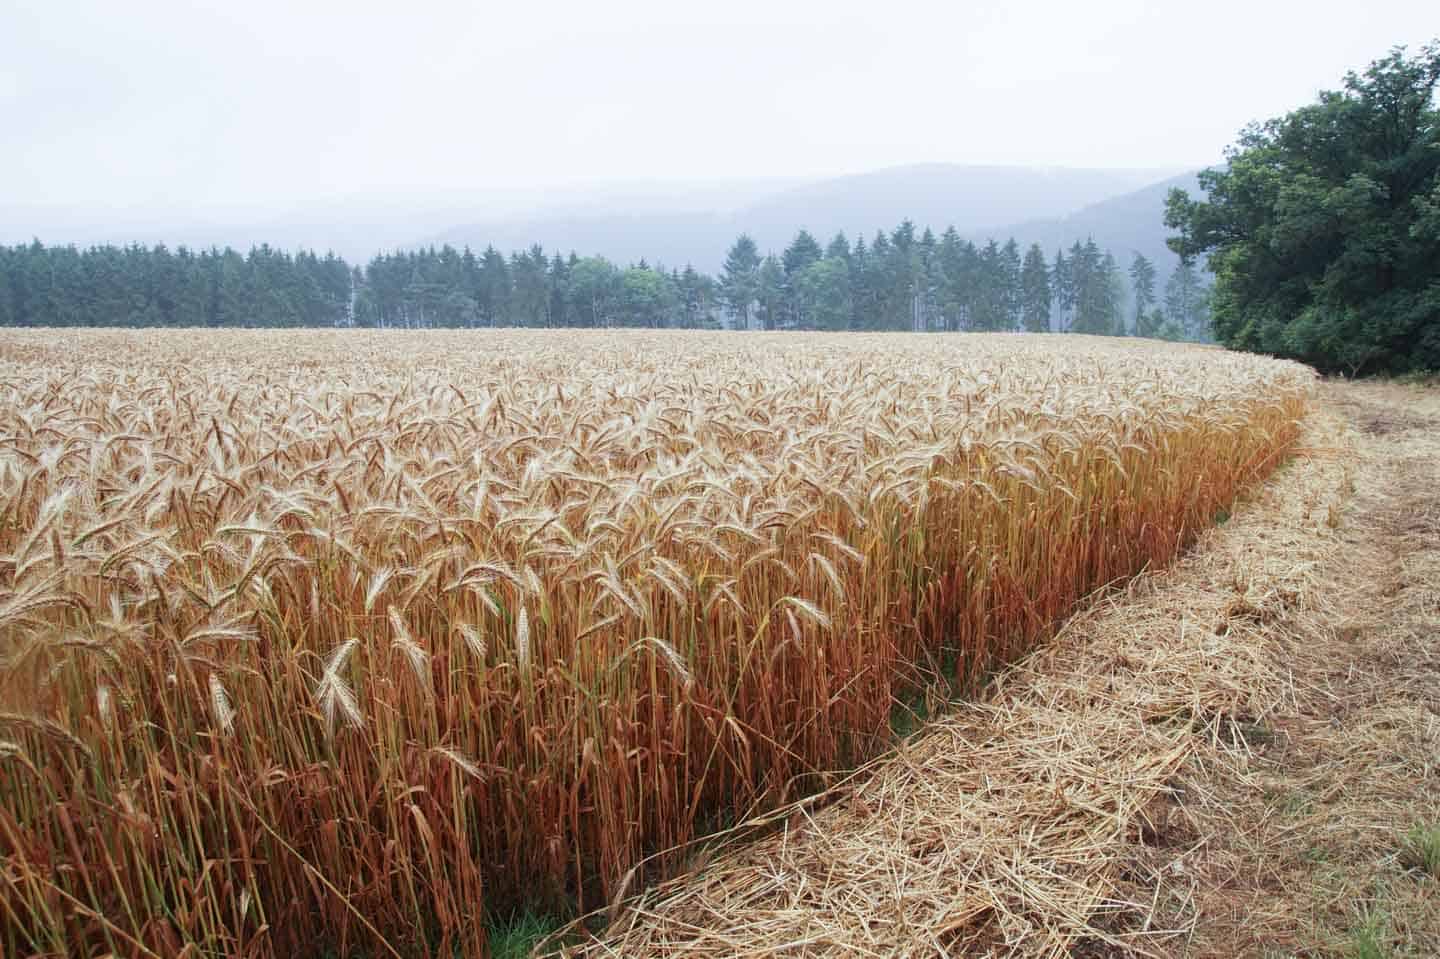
1186	305
862	287
493	300
1062	287
740	279
1011	296
1142	282
771	292
558	282
1035	291
949	260
802	251
1112	292
988	313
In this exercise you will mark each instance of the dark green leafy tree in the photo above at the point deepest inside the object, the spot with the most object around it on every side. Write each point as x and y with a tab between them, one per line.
1321	228
825	285
648	298
595	291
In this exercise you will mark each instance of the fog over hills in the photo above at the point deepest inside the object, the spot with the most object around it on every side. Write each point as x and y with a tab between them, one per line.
1125	225
674	223
976	200
360	225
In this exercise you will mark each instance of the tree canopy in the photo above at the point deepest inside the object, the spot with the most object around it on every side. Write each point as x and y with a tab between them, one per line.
903	279
1323	228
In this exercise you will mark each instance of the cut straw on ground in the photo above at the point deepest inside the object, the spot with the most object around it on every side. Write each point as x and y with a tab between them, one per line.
1232	757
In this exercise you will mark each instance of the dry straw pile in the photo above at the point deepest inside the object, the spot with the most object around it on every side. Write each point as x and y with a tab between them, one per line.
344	638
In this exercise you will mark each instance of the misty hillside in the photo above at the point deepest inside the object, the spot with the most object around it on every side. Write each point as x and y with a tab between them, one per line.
974	199
672	223
1124	225
357	226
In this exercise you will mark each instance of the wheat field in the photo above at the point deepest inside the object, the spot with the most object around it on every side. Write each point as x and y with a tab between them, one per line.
351	641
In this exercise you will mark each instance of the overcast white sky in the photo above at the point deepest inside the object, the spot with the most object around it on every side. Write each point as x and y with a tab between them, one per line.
261	103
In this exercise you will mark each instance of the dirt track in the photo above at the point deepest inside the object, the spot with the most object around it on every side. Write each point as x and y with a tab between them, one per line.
1223	760
1342	772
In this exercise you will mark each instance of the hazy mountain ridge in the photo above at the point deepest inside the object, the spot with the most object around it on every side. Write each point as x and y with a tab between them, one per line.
976	200
671	223
359	226
1125	225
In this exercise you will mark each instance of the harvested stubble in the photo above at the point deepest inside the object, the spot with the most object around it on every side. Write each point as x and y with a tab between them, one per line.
345	638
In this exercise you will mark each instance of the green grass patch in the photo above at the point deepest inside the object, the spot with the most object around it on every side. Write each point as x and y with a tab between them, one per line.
1420	850
518	936
1370	938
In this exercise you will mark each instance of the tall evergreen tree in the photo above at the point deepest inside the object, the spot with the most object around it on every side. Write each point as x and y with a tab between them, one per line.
1062	287
1142	284
558	283
1035	291
862	286
740	279
905	279
1010	295
1186	304
770	291
950	266
1093	292
493	300
801	252
989	310
1112	293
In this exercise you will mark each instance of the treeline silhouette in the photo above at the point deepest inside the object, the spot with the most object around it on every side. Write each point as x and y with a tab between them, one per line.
903	279
154	286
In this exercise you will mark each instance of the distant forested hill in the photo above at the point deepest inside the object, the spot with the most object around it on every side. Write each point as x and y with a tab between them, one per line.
912	248
1127	224
976	200
677	223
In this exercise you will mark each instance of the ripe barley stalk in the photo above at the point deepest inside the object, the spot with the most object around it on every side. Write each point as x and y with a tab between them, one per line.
327	638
